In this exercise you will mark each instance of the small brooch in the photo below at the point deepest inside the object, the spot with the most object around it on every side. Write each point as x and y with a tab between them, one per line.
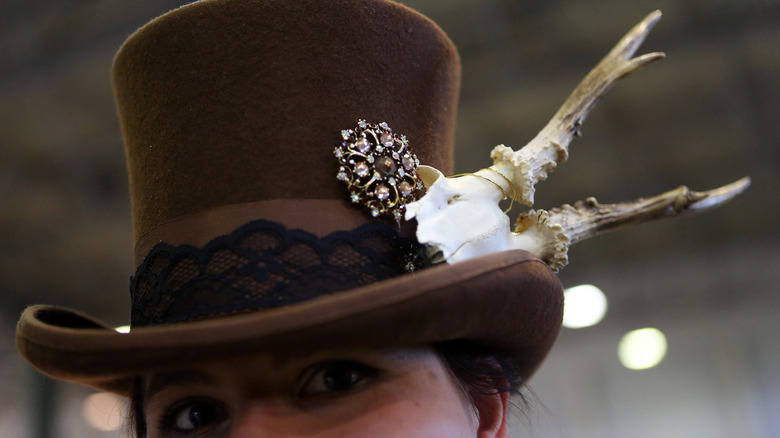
378	168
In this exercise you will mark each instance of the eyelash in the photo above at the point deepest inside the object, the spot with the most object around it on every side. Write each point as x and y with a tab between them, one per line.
314	376
168	421
327	379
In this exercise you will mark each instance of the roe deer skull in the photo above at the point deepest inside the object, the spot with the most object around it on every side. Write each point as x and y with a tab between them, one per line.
459	217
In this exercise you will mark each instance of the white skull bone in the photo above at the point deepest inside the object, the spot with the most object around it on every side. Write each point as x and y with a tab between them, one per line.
461	217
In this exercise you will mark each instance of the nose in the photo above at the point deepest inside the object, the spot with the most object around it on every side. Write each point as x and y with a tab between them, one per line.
265	420
252	425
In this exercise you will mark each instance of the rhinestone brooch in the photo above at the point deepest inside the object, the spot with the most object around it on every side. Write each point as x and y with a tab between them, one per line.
378	168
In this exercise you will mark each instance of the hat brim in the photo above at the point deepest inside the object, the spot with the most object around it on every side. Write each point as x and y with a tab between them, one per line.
509	301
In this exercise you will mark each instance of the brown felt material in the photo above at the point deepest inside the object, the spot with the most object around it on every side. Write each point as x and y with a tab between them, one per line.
223	102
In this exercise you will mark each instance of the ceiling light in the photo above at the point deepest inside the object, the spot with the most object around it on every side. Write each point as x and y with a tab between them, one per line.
643	348
584	306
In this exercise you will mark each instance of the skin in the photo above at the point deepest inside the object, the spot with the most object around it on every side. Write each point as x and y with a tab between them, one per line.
379	393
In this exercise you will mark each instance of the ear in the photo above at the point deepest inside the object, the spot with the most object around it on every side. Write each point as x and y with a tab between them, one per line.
492	410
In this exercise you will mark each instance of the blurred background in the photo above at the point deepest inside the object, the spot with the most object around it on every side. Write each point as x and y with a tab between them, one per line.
705	116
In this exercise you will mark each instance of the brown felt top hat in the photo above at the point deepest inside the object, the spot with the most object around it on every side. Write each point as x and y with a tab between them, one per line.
246	240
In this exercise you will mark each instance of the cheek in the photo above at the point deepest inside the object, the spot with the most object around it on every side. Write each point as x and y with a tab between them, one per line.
409	417
424	417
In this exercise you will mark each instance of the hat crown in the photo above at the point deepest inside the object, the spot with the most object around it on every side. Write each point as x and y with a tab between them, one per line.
225	102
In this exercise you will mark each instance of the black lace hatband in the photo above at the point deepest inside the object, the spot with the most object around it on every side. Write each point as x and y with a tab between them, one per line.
264	265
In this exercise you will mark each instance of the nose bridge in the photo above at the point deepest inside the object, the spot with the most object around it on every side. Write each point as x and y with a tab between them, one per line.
262	418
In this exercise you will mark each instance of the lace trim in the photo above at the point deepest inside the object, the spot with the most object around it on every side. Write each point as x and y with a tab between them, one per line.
264	265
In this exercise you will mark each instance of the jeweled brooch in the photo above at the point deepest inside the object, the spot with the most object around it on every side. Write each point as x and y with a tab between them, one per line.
379	169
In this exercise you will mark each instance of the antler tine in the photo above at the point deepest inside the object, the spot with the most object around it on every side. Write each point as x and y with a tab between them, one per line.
614	66
589	218
720	195
628	45
541	155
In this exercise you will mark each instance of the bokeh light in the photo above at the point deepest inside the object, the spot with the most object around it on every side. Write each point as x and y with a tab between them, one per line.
585	306
642	349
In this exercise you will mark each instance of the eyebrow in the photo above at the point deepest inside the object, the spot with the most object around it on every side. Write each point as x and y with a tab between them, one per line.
160	381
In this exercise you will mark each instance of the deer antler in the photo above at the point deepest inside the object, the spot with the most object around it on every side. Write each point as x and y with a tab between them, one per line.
566	225
541	155
460	217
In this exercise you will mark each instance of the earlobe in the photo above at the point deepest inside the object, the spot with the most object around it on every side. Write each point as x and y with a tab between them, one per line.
492	411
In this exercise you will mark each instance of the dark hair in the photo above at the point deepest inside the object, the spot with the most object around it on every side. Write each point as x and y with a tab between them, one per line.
479	371
136	421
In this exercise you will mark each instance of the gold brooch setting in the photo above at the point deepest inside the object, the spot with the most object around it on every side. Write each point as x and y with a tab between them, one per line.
379	169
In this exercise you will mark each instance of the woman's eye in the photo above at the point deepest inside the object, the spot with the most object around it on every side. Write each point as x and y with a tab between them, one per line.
334	377
192	416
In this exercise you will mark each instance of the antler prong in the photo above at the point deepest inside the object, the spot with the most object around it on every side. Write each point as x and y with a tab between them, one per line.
718	196
541	155
628	45
589	218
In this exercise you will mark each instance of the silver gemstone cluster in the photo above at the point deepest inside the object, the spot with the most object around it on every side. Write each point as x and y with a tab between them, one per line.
379	169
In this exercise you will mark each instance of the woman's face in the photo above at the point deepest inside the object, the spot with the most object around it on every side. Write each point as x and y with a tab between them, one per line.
351	393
